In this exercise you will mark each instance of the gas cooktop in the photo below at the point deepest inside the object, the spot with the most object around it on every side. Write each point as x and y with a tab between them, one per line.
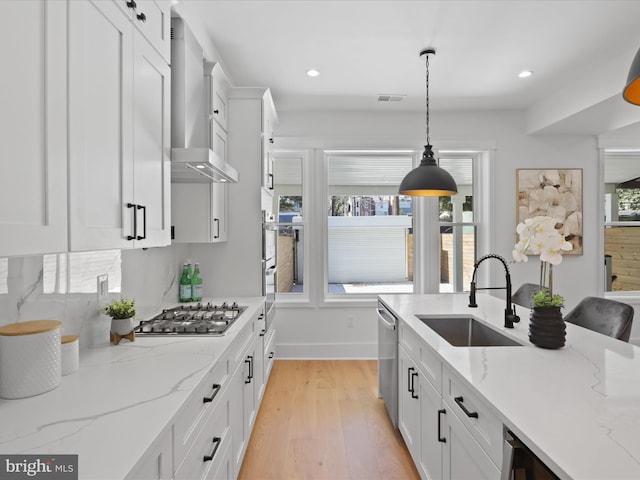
192	319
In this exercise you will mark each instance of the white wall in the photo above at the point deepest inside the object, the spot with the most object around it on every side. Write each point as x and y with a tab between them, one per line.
317	331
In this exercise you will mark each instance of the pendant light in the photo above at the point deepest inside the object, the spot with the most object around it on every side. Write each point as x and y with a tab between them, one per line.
631	92
428	179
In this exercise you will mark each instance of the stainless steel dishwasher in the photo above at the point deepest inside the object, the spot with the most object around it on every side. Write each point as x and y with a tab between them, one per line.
388	361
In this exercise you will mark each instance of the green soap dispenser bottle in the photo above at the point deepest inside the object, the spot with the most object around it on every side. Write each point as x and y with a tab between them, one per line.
196	284
185	283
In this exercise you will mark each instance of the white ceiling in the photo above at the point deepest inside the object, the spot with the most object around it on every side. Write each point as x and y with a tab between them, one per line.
367	48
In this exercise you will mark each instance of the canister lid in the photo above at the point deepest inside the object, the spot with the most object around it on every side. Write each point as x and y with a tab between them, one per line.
68	338
30	327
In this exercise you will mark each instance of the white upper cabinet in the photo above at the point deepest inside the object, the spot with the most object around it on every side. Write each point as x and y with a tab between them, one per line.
119	190
269	122
33	128
153	19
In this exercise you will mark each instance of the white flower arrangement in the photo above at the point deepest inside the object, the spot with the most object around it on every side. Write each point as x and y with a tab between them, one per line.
538	236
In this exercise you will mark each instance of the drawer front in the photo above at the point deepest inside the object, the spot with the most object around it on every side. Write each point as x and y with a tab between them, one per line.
479	418
425	358
197	408
207	454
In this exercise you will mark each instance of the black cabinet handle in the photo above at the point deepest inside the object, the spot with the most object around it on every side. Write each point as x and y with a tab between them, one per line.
216	389
217	222
270	184
459	401
217	441
271	140
131	4
409	377
215	112
142	17
135	222
249	360
441	438
272	354
262	332
144	221
413	385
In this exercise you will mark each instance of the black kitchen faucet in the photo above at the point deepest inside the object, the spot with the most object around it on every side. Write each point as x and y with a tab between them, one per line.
510	316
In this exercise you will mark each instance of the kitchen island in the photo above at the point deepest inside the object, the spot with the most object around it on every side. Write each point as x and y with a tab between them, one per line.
577	408
122	402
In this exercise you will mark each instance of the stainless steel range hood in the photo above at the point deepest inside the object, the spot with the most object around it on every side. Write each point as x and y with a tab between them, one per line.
192	161
198	165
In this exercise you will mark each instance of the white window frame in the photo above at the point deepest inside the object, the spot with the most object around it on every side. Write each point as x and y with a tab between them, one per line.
621	149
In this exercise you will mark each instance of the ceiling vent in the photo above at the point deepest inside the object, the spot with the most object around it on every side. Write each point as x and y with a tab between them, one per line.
391	98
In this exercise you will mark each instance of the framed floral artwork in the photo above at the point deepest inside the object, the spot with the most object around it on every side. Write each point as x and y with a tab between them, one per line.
555	193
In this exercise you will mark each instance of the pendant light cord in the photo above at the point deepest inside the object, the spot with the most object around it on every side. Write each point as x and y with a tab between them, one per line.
427	98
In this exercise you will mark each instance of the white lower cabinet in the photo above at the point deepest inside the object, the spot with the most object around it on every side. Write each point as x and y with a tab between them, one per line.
209	435
464	459
449	431
269	353
157	463
209	454
419	418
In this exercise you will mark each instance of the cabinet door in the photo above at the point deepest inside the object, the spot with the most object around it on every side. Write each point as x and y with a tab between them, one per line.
151	145
219	86
269	353
237	412
33	128
153	19
431	430
408	404
100	112
219	219
156	464
259	367
464	459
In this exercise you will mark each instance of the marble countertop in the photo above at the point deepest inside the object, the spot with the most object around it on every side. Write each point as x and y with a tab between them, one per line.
122	398
577	408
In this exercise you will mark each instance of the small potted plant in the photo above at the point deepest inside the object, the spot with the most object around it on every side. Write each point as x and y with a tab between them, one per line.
542	298
121	312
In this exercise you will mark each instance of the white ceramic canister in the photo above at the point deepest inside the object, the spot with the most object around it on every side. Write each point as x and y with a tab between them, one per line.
70	354
30	358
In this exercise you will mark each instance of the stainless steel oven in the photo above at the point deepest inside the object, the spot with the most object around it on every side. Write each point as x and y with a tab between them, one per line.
269	264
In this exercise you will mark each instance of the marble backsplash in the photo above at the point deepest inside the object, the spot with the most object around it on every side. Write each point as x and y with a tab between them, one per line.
64	287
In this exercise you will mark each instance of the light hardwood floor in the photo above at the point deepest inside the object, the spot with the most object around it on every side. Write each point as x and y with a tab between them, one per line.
322	419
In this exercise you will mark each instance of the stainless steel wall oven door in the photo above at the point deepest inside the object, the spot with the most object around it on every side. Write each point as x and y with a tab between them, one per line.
269	264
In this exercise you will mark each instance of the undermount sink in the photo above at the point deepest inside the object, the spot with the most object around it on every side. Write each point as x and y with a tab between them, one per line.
467	332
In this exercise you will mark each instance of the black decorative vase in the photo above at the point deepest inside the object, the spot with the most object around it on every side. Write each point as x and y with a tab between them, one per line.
546	327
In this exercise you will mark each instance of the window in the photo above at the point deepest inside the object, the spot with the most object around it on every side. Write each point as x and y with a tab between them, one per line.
288	196
622	221
369	226
457	225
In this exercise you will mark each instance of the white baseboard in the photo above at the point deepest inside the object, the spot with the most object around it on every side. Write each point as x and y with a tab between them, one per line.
327	351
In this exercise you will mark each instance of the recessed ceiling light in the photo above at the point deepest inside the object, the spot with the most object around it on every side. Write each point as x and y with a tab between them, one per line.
525	73
313	72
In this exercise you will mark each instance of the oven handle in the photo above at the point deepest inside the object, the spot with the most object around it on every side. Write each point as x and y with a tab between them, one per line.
271	271
391	325
509	448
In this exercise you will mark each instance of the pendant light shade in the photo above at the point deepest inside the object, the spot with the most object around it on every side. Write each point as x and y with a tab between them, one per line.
631	92
428	179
